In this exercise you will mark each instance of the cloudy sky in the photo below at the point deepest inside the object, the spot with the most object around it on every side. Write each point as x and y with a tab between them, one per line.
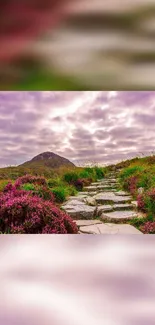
97	126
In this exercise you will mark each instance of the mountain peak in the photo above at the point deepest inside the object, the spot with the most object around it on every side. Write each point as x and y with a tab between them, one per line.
48	159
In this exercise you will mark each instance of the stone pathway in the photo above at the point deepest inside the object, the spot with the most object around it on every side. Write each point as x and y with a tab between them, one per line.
102	208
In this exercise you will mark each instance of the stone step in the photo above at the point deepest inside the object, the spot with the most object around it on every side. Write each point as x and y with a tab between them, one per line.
73	202
87	194
111	190
119	216
111	198
106	187
103	199
108	181
110	229
82	211
100	188
90	188
114	207
95	184
122	193
122	207
82	223
112	179
78	198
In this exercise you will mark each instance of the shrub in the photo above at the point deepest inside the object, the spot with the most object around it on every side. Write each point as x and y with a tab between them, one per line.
86	181
21	213
85	174
144	180
148	228
99	172
71	190
52	182
3	184
30	179
39	190
146	201
70	177
150	201
133	181
141	202
137	222
44	193
28	187
78	184
60	194
127	172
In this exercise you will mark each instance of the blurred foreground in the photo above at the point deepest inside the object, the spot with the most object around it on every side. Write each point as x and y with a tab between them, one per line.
66	280
99	44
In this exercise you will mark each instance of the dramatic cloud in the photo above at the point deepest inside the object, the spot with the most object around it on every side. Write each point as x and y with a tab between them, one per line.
98	126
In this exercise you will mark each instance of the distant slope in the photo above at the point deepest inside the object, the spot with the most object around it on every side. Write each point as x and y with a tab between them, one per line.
48	159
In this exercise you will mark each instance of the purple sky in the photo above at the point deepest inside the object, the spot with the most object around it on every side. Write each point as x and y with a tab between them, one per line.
98	126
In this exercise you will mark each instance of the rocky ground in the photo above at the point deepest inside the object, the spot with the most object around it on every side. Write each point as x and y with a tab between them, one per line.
102	208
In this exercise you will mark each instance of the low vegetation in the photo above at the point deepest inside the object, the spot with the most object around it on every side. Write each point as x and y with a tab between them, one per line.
30	203
30	198
138	177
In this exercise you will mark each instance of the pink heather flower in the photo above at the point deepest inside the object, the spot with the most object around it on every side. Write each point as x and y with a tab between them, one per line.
21	212
30	179
141	202
148	228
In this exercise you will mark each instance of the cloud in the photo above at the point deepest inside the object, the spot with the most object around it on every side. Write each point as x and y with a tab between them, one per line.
82	126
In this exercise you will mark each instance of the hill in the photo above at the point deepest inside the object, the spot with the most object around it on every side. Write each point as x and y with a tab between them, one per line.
47	159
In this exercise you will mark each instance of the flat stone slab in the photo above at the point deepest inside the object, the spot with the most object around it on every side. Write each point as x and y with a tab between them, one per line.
104	187
90	188
125	206
110	229
81	223
122	193
117	216
104	208
92	193
112	178
82	197
113	207
110	197
82	193
95	184
107	182
73	202
76	198
80	211
111	190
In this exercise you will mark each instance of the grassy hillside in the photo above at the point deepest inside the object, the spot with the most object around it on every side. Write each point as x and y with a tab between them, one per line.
138	177
62	181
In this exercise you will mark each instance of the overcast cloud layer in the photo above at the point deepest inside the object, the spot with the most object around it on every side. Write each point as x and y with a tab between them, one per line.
95	126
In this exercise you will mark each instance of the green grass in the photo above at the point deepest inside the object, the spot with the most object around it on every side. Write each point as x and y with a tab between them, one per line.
62	192
138	222
140	173
39	79
28	187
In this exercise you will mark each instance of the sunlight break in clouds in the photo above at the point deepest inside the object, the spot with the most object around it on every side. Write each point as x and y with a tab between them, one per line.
80	125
